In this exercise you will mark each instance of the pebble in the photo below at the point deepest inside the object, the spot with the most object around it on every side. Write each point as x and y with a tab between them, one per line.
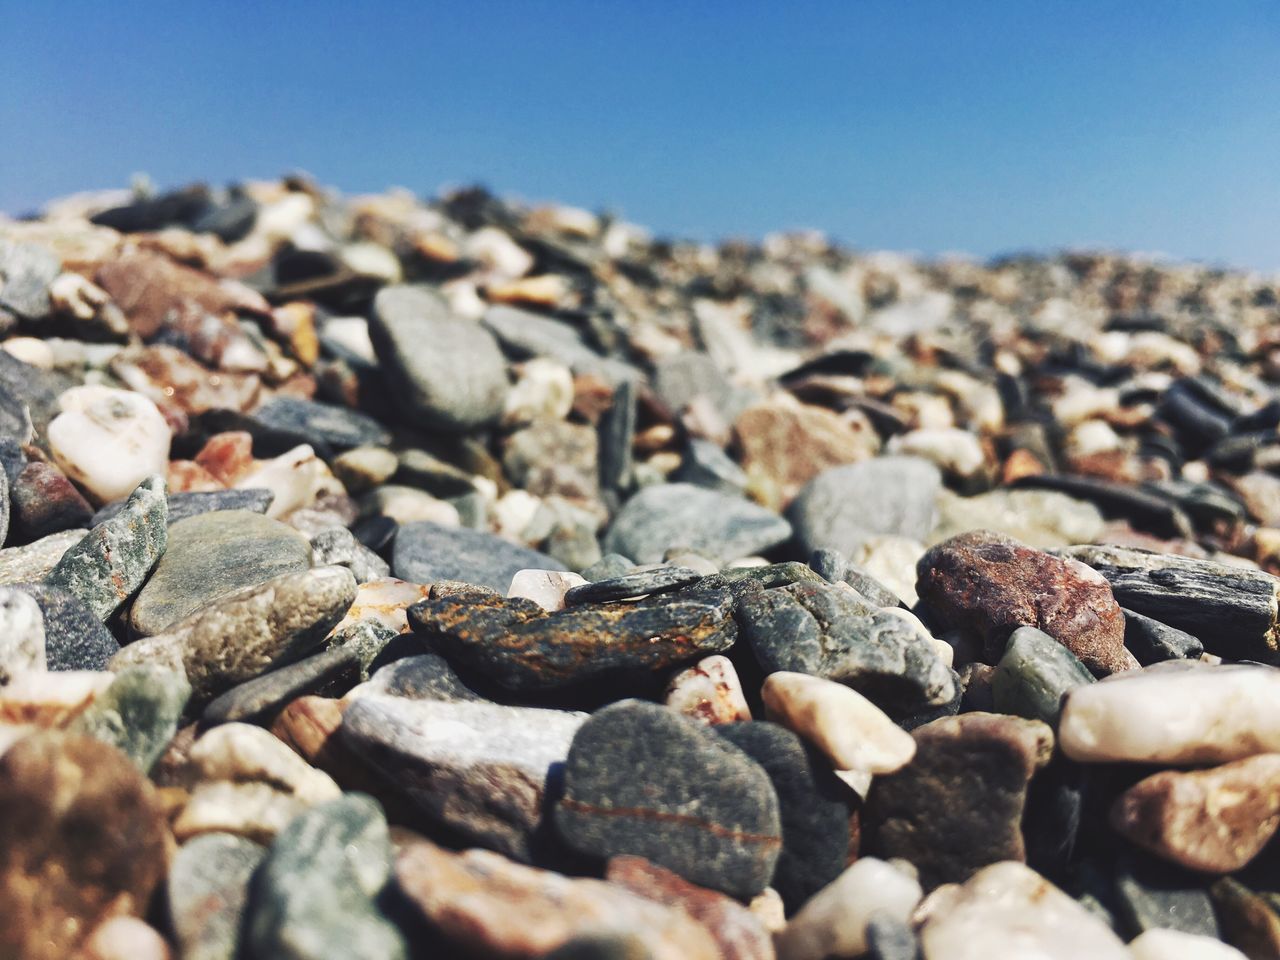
337	546
988	585
1174	945
383	601
448	371
74	637
849	729
487	905
642	780
22	645
315	893
835	921
477	769
709	692
82	839
293	479
107	566
1190	713
191	504
210	556
51	699
1044	519
243	634
138	713
285	422
546	588
43	501
521	647
1151	641
108	440
631	586
259	698
958	805
207	891
426	552
669	515
1034	675
426	676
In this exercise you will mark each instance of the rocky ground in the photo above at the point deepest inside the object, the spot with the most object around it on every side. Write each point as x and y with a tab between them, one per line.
389	579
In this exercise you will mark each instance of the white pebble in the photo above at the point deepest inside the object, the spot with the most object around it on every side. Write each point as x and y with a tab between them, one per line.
108	440
1176	945
834	921
546	588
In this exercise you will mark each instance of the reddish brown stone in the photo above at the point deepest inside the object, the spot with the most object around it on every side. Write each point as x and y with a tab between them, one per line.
227	456
172	378
187	476
986	585
82	839
44	501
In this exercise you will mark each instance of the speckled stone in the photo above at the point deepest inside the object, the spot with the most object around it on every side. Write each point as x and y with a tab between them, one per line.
632	585
74	638
22	646
262	696
138	713
520	646
191	504
640	779
43	501
32	562
208	888
1034	674
709	692
425	552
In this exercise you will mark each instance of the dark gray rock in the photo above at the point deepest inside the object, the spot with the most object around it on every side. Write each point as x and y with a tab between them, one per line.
74	637
283	422
680	379
28	397
630	585
669	515
609	566
1151	641
109	565
210	556
705	464
526	334
811	805
427	552
262	696
842	507
1034	675
446	371
184	505
641	779
617	432
26	270
1152	895
207	889
138	713
418	468
426	676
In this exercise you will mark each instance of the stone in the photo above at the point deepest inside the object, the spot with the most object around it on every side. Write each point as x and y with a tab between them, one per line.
631	586
554	457
477	769
125	938
526	334
486	905
642	780
32	562
284	422
1175	945
384	602
835	568
263	696
706	465
957	453
210	556
26	272
608	566
521	647
426	676
43	501
366	639
543	391
174	380
74	637
22	647
987	585
1214	820
194	503
246	633
446	370
294	479
681	515
426	552
50	699
315	893
82	839
1034	675
1044	519
827	631
207	890
138	714
889	938
339	547
849	729
958	805
841	508
108	440
1149	894
363	468
813	808
892	560
709	692
110	563
1250	922
1174	713
835	921
1151	641
418	468
1007	911
546	588
617	432
738	934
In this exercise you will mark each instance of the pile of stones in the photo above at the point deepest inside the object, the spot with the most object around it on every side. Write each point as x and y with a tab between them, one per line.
390	578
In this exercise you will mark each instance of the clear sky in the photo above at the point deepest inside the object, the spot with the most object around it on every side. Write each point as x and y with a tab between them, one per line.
930	125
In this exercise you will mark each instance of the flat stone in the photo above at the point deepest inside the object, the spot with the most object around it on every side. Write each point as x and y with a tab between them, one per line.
1034	675
633	585
1151	894
314	894
528	334
813	809
479	769
681	515
1174	713
1007	911
244	634
486	905
705	464
113	560
211	556
1214	820
32	562
26	271
849	729
841	508
82	838
987	585
258	698
958	805
22	648
363	468
284	422
74	637
108	440
520	646
1151	641
1175	945
208	889
608	566
617	433
191	504
426	552
709	692
829	632
446	370
138	713
43	502
835	921
642	780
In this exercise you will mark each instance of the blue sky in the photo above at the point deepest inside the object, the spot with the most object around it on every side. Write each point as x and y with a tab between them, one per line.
984	127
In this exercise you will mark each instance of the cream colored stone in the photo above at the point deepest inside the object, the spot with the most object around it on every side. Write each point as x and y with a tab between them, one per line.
108	440
384	600
1176	945
253	810
124	938
239	752
295	477
709	691
834	921
543	390
50	699
546	588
